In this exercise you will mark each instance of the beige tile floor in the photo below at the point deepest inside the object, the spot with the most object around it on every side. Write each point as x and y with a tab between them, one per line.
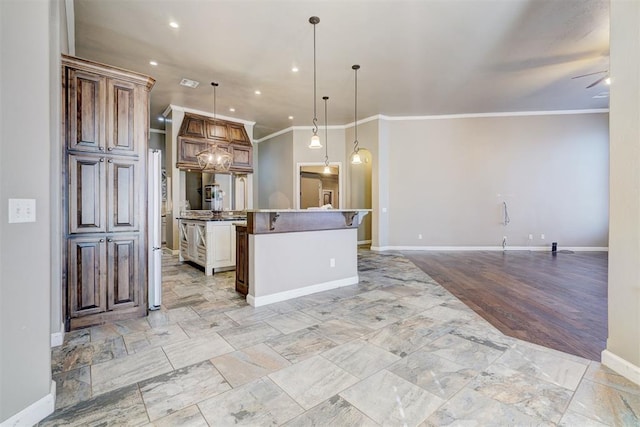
397	350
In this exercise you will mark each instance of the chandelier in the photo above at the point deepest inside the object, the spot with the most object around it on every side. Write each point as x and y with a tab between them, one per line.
214	158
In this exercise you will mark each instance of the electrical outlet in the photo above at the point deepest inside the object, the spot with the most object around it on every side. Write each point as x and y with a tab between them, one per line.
542	236
332	262
419	236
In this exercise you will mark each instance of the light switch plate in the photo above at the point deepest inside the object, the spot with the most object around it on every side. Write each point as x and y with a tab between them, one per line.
22	210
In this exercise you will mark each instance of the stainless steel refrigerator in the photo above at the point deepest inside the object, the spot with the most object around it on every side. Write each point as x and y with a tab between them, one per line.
154	222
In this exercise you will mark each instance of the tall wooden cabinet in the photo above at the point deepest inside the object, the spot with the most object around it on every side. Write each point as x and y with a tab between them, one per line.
105	134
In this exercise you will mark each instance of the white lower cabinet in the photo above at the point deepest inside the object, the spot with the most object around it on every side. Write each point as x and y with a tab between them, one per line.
211	244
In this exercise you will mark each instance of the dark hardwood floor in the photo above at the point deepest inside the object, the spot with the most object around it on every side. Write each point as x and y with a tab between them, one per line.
556	301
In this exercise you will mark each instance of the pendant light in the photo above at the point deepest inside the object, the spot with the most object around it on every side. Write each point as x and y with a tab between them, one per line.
355	158
214	158
327	169
315	139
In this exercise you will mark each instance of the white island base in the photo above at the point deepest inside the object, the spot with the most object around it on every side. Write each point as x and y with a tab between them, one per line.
285	262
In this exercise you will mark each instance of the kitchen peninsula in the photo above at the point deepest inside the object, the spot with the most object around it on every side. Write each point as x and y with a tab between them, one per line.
291	253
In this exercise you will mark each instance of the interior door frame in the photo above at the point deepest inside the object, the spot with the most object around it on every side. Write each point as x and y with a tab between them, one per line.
298	169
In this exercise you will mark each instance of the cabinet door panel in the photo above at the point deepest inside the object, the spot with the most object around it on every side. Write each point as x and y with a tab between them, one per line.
242	158
122	288
122	195
223	248
86	194
120	139
86	276
242	261
238	134
86	111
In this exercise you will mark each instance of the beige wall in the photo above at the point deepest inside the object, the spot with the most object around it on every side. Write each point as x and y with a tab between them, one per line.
448	179
306	258
623	349
25	248
275	182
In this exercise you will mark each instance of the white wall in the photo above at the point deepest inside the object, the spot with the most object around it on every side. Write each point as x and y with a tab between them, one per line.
275	184
623	349
448	179
26	96
305	257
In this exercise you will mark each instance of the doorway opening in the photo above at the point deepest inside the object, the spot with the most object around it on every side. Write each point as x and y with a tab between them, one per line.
315	188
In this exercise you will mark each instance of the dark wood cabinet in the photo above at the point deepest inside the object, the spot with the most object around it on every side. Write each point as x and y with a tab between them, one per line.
197	133
86	194
122	272
242	260
85	118
124	203
106	125
87	258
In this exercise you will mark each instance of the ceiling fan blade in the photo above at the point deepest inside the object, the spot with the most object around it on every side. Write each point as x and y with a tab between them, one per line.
596	82
590	74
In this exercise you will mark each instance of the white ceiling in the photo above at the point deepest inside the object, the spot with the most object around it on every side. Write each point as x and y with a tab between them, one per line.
428	57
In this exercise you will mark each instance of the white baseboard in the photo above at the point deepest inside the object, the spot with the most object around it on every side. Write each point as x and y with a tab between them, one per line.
170	251
490	248
34	413
621	366
295	293
57	338
364	242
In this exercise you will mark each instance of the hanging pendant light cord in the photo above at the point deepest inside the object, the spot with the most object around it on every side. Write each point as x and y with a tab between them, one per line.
326	133
215	85
355	143
315	114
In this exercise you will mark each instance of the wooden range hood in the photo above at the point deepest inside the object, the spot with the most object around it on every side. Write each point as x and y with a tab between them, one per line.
197	133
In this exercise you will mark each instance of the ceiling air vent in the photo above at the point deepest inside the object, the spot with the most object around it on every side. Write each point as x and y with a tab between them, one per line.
189	83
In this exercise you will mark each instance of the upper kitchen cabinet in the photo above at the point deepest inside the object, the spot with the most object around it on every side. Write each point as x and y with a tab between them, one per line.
197	133
86	110
100	108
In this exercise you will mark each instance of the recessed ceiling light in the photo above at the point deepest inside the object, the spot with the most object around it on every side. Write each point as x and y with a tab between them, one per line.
290	117
174	24
189	83
295	69
257	92
232	109
154	63
607	80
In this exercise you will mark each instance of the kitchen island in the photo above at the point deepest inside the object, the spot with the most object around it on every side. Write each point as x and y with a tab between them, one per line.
208	240
296	252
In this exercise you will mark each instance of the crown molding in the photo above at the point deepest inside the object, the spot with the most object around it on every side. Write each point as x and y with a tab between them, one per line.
173	107
496	114
442	117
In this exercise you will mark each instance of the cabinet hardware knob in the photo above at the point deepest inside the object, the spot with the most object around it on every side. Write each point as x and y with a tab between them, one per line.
110	240
101	240
110	160
110	148
101	148
102	159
